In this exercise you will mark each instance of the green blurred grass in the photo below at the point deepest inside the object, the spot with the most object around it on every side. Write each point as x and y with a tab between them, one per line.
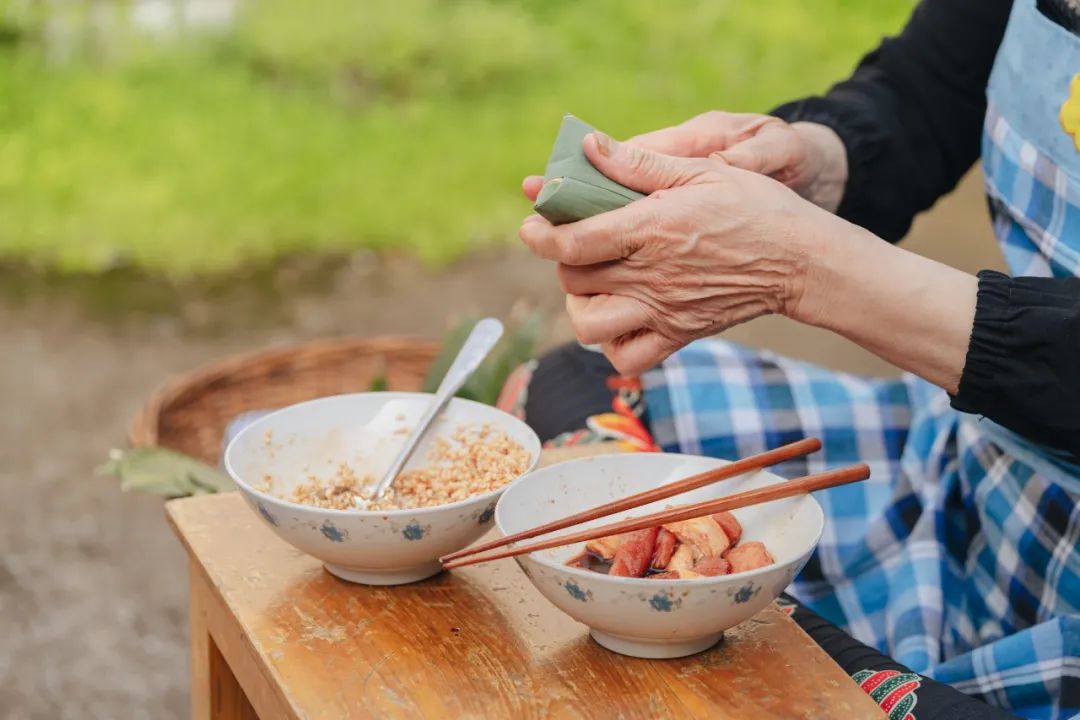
331	125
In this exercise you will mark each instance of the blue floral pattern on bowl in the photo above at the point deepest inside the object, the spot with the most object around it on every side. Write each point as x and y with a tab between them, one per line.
266	514
413	531
333	533
576	592
487	515
745	593
664	602
661	602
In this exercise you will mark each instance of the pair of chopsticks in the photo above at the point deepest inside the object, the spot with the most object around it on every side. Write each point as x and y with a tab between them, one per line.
808	484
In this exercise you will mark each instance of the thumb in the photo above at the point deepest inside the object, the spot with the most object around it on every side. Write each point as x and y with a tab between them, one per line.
773	150
640	169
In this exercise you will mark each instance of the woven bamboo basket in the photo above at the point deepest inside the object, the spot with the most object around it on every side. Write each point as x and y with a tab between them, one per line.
189	413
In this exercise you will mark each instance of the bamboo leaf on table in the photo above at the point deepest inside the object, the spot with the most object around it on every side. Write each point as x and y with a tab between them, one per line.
164	472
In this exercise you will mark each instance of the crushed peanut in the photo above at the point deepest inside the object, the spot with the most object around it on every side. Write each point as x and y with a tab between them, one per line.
475	460
267	483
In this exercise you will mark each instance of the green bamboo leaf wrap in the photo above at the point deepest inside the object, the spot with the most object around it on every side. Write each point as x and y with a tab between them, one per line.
574	189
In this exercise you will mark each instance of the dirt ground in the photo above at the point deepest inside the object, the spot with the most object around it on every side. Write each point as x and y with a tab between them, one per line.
92	584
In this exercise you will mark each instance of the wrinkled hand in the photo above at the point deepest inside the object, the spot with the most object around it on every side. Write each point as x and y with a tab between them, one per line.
710	247
807	157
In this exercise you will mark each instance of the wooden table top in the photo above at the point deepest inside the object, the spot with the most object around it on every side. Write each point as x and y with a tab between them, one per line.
480	642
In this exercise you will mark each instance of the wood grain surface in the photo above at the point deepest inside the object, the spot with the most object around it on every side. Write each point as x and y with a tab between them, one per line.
476	643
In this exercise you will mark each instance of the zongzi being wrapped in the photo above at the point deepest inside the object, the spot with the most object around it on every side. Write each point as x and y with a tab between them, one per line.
573	189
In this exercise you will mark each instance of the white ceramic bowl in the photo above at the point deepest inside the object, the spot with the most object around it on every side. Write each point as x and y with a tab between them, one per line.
655	618
388	547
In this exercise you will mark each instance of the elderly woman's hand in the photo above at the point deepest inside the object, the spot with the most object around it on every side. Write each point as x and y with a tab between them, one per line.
712	246
807	157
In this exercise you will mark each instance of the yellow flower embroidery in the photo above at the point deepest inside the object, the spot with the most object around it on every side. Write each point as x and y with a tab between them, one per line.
1070	111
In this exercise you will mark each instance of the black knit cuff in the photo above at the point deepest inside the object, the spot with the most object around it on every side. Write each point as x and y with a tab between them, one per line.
987	355
865	140
1021	364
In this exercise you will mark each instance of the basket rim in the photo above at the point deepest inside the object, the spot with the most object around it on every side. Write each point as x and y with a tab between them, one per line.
144	428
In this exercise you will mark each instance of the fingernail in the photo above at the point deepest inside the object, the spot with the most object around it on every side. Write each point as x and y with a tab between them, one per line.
605	145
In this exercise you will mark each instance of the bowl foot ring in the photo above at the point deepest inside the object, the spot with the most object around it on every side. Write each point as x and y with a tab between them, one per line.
398	576
654	649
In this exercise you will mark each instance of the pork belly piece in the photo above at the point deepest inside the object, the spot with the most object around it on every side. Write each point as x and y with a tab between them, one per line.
682	569
665	548
704	536
682	560
732	527
635	553
748	556
685	566
682	565
710	567
605	547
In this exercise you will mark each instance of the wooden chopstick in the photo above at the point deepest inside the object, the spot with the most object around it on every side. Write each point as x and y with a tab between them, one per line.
739	467
800	486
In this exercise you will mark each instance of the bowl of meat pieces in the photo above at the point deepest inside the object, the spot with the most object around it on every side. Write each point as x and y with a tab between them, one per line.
307	471
667	591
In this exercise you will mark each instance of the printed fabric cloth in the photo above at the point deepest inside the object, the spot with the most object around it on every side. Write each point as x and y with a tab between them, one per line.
959	557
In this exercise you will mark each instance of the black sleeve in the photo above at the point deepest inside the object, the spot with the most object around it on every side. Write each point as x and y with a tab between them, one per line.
1023	364
911	115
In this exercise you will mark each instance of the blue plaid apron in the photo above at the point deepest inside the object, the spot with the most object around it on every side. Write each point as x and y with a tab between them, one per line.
960	556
